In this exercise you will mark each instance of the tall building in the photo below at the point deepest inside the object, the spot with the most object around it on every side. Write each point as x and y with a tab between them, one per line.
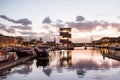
65	36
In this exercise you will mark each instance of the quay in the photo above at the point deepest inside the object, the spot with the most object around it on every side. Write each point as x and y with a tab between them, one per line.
15	62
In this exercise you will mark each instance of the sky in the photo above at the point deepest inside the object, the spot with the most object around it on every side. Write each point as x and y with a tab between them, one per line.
43	18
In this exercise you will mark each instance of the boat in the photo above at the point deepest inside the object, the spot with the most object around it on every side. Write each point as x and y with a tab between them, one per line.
7	54
85	45
23	52
62	47
4	56
85	48
42	51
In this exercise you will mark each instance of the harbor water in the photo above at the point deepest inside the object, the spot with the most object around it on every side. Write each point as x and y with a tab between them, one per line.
78	64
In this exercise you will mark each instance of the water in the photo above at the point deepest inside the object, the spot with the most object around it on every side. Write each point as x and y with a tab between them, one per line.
76	64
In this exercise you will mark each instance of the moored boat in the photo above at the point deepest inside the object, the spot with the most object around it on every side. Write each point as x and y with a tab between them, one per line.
23	52
42	51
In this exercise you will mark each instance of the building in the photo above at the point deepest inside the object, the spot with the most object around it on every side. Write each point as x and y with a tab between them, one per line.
107	41
10	41
65	36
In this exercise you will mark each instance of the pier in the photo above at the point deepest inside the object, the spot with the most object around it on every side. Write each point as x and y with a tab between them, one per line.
15	62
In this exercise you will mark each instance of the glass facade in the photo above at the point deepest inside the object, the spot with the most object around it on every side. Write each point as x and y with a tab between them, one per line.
65	35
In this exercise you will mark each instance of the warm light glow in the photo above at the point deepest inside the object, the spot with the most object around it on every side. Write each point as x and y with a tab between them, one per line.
61	37
65	38
64	31
90	56
65	54
98	28
69	32
65	63
69	39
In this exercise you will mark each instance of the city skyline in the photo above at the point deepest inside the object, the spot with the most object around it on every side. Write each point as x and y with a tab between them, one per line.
43	18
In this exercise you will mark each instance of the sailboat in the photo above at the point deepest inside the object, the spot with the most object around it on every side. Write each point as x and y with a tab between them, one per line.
85	45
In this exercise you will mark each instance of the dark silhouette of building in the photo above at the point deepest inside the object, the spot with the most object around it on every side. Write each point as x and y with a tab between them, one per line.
65	35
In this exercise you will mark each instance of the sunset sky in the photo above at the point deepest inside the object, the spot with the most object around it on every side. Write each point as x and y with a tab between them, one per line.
43	18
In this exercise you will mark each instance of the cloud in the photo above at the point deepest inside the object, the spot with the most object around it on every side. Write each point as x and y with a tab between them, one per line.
119	17
50	29
91	25
116	25
22	27
80	18
53	28
4	28
24	21
83	26
47	20
58	25
28	33
59	21
10	30
79	26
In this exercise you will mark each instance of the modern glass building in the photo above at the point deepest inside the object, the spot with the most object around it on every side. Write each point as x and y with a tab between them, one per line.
65	36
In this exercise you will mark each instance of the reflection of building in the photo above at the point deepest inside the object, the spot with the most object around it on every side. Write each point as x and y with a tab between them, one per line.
65	36
23	69
113	54
65	58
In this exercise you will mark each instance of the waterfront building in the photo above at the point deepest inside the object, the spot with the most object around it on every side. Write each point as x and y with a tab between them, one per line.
65	36
10	41
107	42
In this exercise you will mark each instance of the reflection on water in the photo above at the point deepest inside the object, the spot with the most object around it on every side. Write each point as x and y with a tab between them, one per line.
65	58
81	72
69	65
24	69
113	54
42	62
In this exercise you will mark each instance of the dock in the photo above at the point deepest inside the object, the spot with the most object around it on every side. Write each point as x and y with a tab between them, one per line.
15	62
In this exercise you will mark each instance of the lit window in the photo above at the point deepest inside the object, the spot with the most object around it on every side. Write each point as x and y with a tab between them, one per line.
69	32
64	30
65	38
61	37
69	39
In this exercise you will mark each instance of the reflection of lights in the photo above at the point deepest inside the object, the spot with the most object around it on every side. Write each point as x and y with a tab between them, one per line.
82	57
65	63
97	59
99	62
65	54
65	58
61	37
69	61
